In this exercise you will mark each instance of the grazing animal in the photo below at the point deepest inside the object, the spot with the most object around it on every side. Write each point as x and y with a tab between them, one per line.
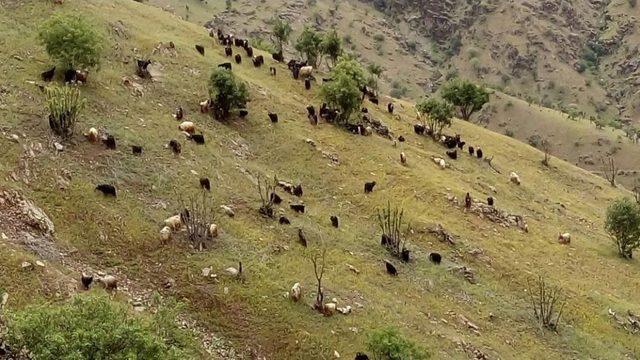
142	69
249	50
165	234
231	271
86	281
514	178
200	49
226	65
368	186
479	153
405	255
273	117
187	126
238	59
440	162
272	71
275	198
374	100
401	138
453	154
306	71
435	258
81	77
403	158
311	110
107	190
296	292
258	61
390	108
205	106
110	142
564	238
92	135
243	113
284	221
302	238
278	57
109	282
174	222
179	113
197	138
334	221
175	146
364	110
361	356
228	51
391	270
471	151
205	183
461	144
490	200
297	190
419	129
299	208
70	76
307	84
468	201
213	230
295	72
49	74
313	119
136	149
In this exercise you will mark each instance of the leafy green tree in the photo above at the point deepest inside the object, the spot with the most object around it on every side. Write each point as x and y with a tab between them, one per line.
466	96
72	41
281	31
376	71
389	344
93	327
226	92
437	114
350	67
623	225
332	46
309	44
343	94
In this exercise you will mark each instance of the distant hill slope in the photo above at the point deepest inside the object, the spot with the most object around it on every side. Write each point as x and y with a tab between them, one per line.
427	302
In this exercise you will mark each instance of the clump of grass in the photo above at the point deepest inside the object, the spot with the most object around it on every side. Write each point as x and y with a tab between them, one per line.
65	105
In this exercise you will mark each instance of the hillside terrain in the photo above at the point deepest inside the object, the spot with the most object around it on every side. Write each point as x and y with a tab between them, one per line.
475	304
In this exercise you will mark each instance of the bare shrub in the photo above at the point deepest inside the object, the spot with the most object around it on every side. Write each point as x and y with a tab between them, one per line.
609	170
318	260
547	302
265	189
197	215
391	223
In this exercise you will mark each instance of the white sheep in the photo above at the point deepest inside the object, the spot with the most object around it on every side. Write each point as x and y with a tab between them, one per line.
296	292
403	158
564	238
174	222
440	162
92	135
108	281
187	126
329	309
306	71
213	230
514	178
165	234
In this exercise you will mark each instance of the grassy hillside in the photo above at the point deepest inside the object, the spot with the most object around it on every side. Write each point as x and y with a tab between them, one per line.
425	301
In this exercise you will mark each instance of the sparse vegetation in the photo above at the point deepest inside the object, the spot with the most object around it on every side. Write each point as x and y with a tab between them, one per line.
547	303
389	344
72	41
391	222
623	225
398	89
265	189
466	96
545	145
65	105
196	213
226	92
609	169
281	31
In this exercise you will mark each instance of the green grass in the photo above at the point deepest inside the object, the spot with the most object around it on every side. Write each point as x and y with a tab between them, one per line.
121	235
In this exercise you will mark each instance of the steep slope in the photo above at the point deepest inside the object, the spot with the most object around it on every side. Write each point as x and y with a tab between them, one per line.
425	301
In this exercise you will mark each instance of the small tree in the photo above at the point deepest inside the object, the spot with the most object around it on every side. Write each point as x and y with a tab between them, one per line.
466	96
281	32
72	41
309	44
389	344
545	145
437	113
609	170
64	104
318	260
332	46
197	216
547	302
226	93
623	225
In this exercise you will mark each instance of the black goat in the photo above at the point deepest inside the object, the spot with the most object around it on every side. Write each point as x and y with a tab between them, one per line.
307	84
175	146
284	221
275	198
435	258
468	201
205	183
238	59
197	138
311	110
228	51
272	71
258	61
390	108
361	356
302	238
368	186
453	154
401	138
243	113
200	49
334	221
49	74
461	144
299	208
86	281
226	65
273	117
249	50
110	142
405	255
479	153
297	190
106	189
490	201
70	76
136	149
471	151
278	57
179	113
419	129
391	270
